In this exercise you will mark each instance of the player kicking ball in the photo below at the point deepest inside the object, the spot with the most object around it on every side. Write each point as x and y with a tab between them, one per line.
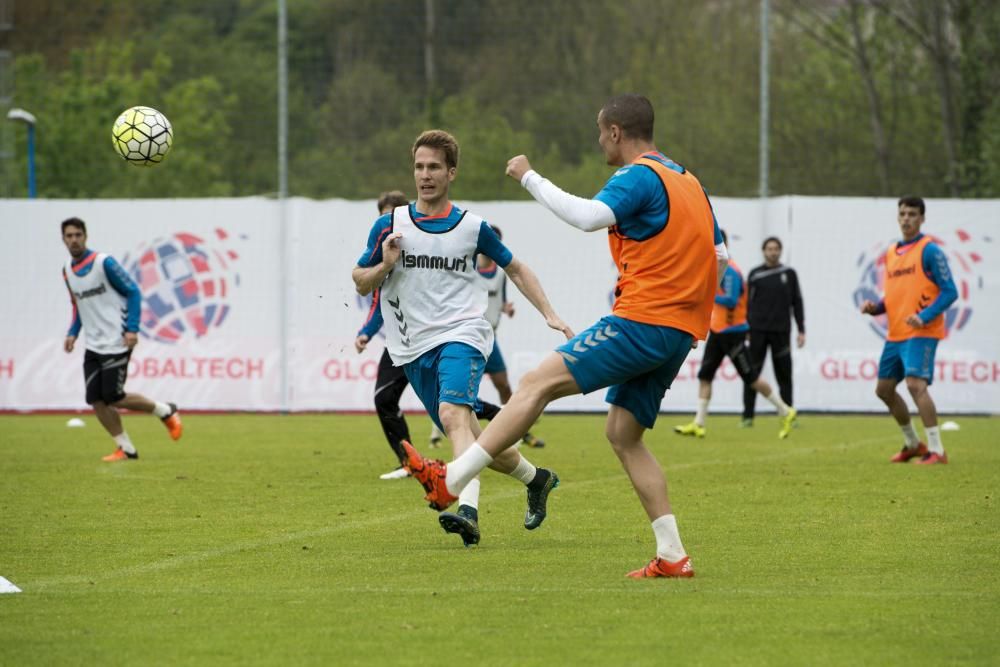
101	292
667	277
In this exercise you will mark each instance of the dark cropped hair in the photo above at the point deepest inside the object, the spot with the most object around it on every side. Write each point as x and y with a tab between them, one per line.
912	202
74	222
392	198
633	113
769	239
725	239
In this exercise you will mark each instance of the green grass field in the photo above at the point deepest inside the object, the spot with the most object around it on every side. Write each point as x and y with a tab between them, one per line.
271	540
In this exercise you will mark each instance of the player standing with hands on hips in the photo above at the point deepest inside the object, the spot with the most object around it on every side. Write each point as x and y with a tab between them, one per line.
668	249
106	304
918	290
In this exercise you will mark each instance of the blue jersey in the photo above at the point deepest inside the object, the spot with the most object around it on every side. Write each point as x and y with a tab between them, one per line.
732	290
636	196
489	243
935	265
374	320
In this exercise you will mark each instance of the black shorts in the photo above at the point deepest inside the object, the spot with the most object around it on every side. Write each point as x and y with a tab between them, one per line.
732	345
105	376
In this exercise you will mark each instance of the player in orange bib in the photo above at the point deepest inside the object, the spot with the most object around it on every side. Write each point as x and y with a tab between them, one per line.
918	290
666	244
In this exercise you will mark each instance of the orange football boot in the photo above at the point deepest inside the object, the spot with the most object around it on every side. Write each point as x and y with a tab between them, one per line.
658	567
907	453
173	422
931	458
431	475
119	455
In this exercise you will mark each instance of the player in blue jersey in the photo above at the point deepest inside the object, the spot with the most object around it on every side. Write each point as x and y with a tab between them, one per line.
918	290
422	257
101	293
391	380
661	232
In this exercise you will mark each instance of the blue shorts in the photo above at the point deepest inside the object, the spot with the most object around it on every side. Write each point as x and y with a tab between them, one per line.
450	373
495	364
637	361
913	357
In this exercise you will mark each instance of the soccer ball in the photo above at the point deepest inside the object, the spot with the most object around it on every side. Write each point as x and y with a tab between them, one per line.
142	136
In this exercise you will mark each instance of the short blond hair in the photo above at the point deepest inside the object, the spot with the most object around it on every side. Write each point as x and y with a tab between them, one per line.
442	141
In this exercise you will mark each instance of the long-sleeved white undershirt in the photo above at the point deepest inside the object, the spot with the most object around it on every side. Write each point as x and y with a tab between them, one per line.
586	214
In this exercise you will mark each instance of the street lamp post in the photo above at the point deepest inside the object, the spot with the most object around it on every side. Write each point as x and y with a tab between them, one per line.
29	120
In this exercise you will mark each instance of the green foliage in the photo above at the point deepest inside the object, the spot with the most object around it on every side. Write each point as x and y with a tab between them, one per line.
270	540
510	76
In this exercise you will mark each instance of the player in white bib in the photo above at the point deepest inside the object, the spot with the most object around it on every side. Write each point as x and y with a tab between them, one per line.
423	256
106	306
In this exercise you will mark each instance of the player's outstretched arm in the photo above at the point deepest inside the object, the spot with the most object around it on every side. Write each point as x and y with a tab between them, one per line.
586	214
527	282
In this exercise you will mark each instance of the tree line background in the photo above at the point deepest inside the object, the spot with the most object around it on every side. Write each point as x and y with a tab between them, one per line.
868	97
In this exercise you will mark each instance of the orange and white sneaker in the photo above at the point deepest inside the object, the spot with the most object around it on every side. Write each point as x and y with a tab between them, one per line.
930	458
119	455
907	453
431	475
659	567
173	422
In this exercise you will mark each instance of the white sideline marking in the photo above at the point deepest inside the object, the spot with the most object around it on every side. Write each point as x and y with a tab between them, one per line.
7	587
252	545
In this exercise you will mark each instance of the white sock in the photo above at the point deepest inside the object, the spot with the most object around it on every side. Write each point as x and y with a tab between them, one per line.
934	439
436	433
776	401
161	410
699	417
470	495
668	540
125	442
524	472
910	439
465	467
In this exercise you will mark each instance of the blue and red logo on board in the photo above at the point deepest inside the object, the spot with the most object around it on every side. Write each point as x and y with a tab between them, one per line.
960	249
186	281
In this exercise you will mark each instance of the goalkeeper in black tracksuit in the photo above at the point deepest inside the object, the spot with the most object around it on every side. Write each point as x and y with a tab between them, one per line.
774	298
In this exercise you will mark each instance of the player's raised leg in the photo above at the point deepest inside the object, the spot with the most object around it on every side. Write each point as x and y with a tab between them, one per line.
167	412
551	380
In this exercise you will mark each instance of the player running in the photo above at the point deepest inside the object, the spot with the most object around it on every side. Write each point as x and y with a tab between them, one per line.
918	290
727	338
668	250
391	382
106	305
423	257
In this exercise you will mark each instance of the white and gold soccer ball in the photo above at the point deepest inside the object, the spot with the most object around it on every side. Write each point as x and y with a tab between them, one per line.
142	136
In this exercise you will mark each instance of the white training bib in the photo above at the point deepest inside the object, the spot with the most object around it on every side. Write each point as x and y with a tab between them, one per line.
494	296
101	308
434	295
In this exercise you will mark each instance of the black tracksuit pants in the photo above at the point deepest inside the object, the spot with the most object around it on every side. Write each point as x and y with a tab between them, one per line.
780	343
